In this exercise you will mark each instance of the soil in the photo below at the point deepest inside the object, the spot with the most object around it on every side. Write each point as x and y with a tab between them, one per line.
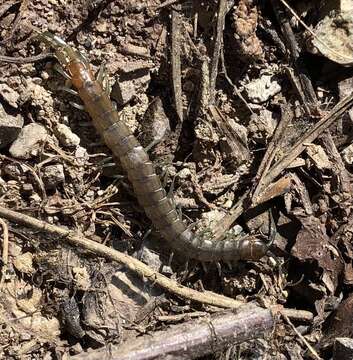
219	105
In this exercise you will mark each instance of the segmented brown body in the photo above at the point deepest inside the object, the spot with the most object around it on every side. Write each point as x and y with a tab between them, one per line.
146	183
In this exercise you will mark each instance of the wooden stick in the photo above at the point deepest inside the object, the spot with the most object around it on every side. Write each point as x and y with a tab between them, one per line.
192	339
206	297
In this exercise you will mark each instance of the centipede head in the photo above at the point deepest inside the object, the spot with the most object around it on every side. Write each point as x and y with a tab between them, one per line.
65	53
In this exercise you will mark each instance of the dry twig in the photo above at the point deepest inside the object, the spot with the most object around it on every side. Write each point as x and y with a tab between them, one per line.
221	14
5	250
130	262
26	60
302	338
271	151
5	242
195	338
176	65
307	138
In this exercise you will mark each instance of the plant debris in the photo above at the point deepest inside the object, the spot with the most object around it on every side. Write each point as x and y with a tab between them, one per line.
246	111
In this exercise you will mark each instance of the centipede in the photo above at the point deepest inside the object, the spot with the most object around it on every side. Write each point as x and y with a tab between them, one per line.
140	170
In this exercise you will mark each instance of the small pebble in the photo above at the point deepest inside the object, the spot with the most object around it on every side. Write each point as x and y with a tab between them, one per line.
262	89
66	136
29	141
53	175
9	95
10	127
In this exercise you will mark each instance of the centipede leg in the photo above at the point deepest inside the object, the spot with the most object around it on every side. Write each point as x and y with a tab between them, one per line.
142	247
102	77
68	90
170	260
62	72
77	106
146	235
219	268
230	266
151	145
164	177
107	160
180	211
171	189
272	230
185	272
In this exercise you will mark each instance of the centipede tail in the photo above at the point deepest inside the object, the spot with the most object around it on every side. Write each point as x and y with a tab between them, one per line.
141	172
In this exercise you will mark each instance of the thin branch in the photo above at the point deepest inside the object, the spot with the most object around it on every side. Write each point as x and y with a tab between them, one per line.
271	151
193	339
26	60
206	297
5	250
308	138
176	64
302	338
5	242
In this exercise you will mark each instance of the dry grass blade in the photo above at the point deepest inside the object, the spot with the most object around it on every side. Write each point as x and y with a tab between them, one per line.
221	14
176	65
5	250
271	151
302	338
307	138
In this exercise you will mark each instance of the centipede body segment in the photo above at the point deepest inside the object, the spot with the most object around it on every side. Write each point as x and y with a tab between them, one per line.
140	170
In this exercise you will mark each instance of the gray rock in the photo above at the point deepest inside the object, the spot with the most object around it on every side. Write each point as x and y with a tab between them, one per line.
9	95
262	89
129	85
345	89
10	127
66	136
262	126
81	155
347	154
343	349
53	175
29	141
334	37
123	92
155	124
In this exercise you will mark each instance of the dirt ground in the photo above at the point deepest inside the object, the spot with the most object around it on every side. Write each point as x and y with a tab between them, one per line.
245	108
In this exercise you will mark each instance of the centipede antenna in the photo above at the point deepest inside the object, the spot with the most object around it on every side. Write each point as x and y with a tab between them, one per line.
204	267
230	265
